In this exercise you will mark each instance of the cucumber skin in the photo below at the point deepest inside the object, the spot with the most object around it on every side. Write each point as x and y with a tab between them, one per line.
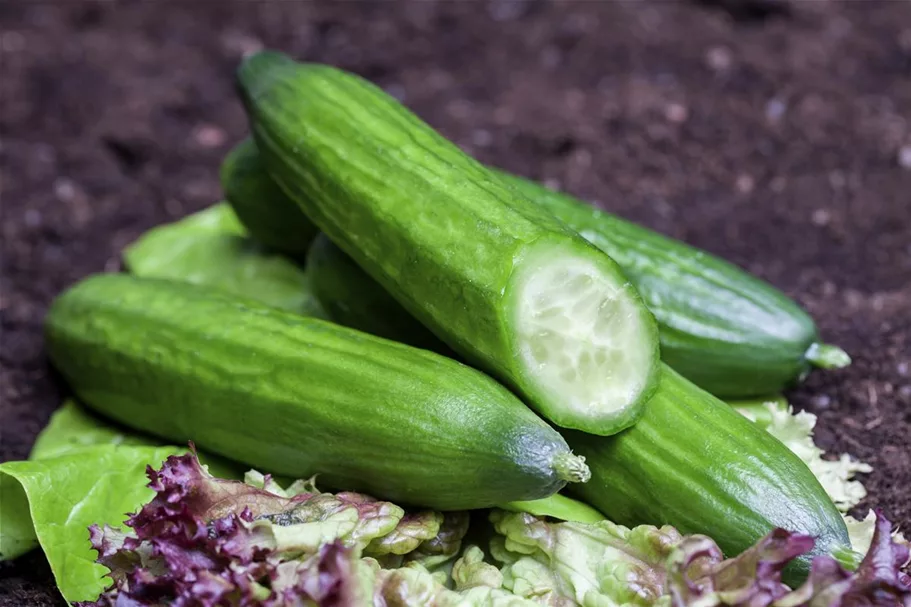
723	329
693	462
256	201
298	396
353	299
412	203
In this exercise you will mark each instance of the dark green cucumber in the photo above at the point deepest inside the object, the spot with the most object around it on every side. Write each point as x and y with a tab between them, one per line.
210	248
725	330
254	197
693	462
496	277
690	461
298	396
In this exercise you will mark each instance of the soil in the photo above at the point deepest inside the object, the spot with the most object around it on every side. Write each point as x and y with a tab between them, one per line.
774	134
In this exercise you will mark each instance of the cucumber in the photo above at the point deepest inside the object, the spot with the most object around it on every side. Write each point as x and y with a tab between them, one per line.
693	462
210	248
353	299
690	461
494	276
255	199
298	396
725	330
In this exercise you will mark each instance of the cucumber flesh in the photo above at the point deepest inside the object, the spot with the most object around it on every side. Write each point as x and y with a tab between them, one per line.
579	331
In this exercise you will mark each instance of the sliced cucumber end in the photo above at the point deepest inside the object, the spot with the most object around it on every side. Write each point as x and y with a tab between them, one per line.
827	356
586	343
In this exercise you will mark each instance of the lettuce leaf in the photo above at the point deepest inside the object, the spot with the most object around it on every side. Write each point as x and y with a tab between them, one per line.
70	429
211	248
603	564
698	576
65	494
861	533
591	564
202	536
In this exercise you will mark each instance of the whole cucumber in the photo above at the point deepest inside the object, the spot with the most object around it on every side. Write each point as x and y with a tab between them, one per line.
722	328
690	461
494	276
298	396
255	199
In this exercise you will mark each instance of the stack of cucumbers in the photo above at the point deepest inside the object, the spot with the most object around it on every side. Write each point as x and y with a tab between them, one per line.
399	319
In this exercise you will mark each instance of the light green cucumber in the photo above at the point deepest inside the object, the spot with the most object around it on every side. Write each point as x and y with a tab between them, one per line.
299	396
497	278
253	195
210	248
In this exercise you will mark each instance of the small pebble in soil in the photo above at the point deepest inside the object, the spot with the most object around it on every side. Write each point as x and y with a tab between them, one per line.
719	58
821	217
904	156
676	113
821	401
775	109
209	136
745	183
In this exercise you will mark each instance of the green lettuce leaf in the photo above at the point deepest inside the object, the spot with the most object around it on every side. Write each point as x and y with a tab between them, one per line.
591	564
211	248
67	493
71	428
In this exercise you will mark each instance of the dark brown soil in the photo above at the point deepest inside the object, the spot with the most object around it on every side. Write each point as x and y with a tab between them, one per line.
769	135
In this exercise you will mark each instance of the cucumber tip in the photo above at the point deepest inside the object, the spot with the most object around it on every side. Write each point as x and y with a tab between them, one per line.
827	356
571	468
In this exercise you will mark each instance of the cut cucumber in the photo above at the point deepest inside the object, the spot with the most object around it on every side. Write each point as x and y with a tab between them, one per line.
472	260
579	332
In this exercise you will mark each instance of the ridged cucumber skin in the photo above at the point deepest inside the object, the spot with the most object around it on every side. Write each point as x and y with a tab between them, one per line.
434	227
298	396
725	330
257	202
691	461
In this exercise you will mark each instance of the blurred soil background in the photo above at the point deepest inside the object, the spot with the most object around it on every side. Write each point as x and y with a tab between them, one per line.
775	134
